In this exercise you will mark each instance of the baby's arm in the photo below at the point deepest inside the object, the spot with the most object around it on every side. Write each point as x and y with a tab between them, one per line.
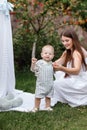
33	63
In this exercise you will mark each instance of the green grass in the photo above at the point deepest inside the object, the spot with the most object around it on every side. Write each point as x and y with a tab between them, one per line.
63	116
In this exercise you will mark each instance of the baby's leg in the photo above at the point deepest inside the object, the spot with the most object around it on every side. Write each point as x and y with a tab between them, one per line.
48	101
37	104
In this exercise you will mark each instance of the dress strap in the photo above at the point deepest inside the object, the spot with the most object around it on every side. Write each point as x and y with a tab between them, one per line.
86	60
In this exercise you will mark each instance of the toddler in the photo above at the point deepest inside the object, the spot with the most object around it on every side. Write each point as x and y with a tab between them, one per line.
44	72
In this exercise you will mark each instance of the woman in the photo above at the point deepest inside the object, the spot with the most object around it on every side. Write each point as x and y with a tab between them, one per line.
71	86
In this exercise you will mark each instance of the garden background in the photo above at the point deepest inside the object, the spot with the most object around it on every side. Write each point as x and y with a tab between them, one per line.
34	24
40	22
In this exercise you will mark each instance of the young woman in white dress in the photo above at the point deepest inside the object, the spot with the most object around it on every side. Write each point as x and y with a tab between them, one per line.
70	83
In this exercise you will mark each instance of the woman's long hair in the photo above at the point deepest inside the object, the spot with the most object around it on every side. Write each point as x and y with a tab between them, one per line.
70	33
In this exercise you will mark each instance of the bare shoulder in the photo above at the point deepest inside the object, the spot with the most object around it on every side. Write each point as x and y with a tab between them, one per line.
77	54
64	54
84	52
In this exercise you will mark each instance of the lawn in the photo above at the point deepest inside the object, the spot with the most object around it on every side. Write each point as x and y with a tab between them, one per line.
63	116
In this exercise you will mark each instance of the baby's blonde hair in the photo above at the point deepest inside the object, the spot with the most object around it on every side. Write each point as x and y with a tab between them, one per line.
48	46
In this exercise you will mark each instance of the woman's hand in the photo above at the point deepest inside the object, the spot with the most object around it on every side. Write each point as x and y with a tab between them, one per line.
77	61
56	66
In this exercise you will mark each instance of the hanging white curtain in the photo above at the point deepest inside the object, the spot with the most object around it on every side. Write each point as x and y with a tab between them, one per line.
7	76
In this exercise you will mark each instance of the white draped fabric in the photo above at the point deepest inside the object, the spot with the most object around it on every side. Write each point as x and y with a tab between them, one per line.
7	77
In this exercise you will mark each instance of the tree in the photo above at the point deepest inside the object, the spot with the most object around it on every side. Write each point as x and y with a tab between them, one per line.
37	19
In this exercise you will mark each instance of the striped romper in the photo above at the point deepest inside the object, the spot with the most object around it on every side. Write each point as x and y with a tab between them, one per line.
44	83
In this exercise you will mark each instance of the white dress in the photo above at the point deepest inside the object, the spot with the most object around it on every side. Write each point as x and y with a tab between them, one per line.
71	90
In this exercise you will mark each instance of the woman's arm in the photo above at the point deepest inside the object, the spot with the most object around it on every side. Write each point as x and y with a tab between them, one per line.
61	60
74	70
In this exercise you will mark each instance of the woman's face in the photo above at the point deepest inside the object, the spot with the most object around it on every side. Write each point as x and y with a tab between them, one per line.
67	42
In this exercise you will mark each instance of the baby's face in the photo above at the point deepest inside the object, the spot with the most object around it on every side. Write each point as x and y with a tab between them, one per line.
47	53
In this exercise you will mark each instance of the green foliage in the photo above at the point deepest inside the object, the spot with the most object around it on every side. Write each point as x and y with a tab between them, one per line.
22	49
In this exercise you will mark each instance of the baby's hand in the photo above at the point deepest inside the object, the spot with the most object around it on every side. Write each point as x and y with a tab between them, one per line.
34	60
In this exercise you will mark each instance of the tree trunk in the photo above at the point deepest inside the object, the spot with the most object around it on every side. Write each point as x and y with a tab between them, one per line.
34	48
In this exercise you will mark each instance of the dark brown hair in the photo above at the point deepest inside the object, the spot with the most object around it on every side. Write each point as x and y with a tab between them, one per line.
70	33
